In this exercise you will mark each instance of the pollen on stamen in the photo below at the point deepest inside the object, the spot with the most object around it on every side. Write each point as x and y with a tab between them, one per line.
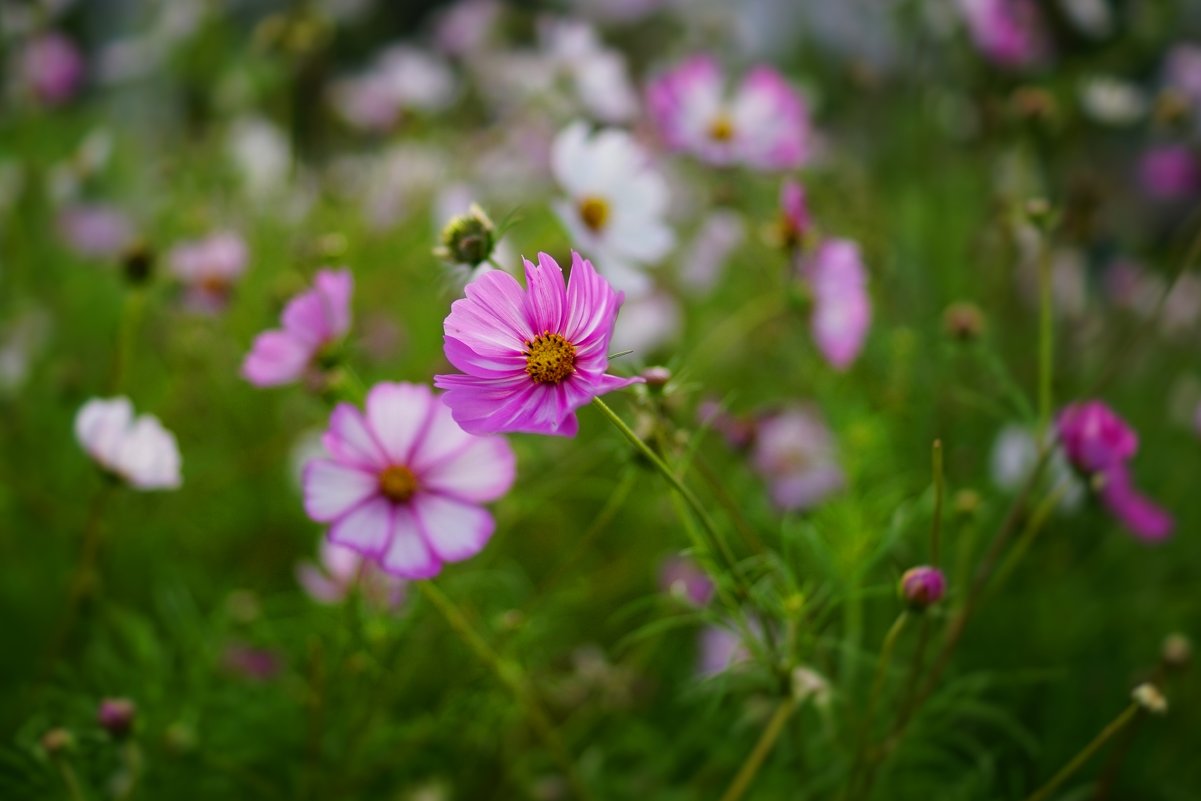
397	483
549	358
722	128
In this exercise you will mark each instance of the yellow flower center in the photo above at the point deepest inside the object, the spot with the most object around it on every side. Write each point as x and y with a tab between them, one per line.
549	358
594	211
397	483
722	128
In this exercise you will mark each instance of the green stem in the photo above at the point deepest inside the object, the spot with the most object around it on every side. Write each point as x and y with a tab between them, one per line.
939	489
686	494
1086	753
1046	334
1034	525
512	676
882	663
754	761
70	780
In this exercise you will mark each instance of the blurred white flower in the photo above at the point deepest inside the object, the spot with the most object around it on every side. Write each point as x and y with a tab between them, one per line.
1014	455
616	203
599	75
463	28
705	258
261	153
23	336
646	323
1113	101
401	78
138	450
1091	17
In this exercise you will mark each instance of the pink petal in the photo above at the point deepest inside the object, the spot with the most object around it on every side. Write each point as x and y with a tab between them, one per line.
318	586
397	415
367	528
276	358
408	555
456	531
546	294
484	365
350	440
492	315
332	489
336	287
592	308
477	469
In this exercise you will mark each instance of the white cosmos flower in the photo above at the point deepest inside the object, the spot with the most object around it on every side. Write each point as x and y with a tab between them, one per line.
615	205
140	450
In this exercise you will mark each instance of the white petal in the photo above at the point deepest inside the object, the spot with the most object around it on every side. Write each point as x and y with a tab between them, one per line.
408	555
456	531
367	528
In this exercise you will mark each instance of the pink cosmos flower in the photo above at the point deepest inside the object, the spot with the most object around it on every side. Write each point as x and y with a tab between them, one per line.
311	321
139	451
1138	513
797	455
340	569
208	268
842	308
720	649
681	577
405	484
95	230
1007	32
763	125
1094	438
530	358
1169	172
922	586
52	68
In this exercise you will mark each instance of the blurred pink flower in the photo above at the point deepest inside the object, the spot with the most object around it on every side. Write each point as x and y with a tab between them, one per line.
922	586
703	262
1007	32
796	454
1094	438
405	485
139	451
401	78
841	305
1169	172
530	358
52	68
795	219
95	230
463	27
250	662
340	569
721	648
738	431
763	125
1182	71
311	321
1138	513
681	577
208	269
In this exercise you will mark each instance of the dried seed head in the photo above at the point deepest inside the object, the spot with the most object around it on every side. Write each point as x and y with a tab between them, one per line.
1150	698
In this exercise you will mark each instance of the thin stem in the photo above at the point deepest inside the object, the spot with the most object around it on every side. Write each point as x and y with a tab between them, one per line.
686	494
512	676
939	489
754	760
70	780
1046	334
865	738
1078	761
1034	525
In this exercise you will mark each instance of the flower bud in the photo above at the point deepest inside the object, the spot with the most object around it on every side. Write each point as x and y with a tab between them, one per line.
963	322
116	716
1150	698
656	377
137	263
967	502
1177	651
57	740
468	238
922	586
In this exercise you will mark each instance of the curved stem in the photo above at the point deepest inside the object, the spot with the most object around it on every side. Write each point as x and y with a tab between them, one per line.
1086	753
939	490
755	759
512	676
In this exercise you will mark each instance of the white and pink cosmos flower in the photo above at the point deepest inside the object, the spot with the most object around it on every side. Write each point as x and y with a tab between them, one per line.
311	321
795	452
139	451
208	269
763	125
339	570
842	309
616	203
405	485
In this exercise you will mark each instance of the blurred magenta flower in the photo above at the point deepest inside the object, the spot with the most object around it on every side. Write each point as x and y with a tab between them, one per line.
52	67
250	662
401	78
116	716
842	308
764	124
681	577
796	454
139	451
1007	32
922	586
405	485
1094	438
95	230
530	358
738	431
340	569
208	269
311	321
616	203
795	219
1169	172
1182	72
1142	516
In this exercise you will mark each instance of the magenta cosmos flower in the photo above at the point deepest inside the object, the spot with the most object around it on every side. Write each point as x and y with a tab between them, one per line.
52	68
404	484
764	124
311	321
842	309
531	358
1007	32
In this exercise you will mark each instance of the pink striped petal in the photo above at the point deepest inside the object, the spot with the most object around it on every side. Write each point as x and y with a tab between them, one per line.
367	528
350	440
408	555
276	358
332	489
396	415
456	531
